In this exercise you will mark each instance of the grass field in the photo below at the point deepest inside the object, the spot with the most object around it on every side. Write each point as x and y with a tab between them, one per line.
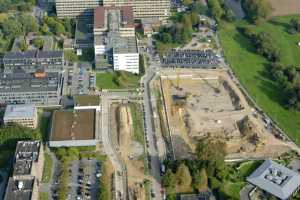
251	70
43	196
47	171
122	80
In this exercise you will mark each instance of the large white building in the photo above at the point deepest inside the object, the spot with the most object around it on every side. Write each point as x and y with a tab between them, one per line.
144	8
114	38
25	115
76	8
125	54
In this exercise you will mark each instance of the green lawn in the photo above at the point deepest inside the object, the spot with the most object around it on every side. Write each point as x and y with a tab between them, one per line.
47	171
117	80
251	70
43	196
137	119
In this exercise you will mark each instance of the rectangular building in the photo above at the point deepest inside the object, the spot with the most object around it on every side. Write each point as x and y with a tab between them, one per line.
38	88
33	60
27	172
73	128
25	115
114	36
76	8
21	188
276	180
117	19
144	8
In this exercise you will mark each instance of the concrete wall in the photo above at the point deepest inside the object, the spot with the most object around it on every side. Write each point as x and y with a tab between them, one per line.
72	143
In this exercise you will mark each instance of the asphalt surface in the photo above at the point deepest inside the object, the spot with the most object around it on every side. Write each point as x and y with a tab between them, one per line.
153	154
120	183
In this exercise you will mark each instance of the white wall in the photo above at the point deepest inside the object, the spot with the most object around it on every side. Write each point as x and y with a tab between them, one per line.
72	143
127	62
97	108
99	49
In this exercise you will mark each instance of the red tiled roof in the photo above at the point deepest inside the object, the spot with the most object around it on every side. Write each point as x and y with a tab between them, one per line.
126	16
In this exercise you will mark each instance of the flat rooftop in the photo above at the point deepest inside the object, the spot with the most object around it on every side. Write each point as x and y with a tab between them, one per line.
122	44
73	125
24	82
28	150
86	100
20	111
32	54
276	179
19	188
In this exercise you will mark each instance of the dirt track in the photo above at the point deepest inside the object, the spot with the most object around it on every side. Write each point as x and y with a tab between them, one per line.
214	105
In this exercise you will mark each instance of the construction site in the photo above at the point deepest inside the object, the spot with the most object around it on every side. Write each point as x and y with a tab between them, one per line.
131	151
201	103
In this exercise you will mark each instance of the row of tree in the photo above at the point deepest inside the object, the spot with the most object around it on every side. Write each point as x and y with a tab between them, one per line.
264	44
198	174
257	10
219	10
288	79
19	5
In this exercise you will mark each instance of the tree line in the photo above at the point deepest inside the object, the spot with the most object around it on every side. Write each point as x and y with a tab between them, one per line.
18	5
286	77
208	170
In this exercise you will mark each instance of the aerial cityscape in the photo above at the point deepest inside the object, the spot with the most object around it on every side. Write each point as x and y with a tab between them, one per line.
149	99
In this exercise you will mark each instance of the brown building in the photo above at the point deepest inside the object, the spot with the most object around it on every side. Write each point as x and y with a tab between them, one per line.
73	128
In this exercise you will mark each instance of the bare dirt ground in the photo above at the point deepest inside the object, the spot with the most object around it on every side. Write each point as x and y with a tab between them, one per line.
130	151
285	7
208	103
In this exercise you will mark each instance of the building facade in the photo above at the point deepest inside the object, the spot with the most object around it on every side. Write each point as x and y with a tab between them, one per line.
114	37
27	171
144	8
25	115
32	61
76	8
24	88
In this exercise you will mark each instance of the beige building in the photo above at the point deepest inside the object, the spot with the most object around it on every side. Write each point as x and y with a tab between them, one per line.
76	8
25	115
144	8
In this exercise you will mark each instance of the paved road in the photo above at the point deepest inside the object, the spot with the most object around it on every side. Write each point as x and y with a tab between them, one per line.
152	151
120	181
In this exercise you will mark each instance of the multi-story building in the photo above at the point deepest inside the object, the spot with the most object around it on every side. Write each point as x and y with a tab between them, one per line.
125	55
76	8
117	19
37	88
21	188
114	36
25	115
33	60
27	172
144	8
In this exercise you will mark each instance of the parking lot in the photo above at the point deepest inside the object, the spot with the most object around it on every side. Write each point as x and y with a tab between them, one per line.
191	58
83	183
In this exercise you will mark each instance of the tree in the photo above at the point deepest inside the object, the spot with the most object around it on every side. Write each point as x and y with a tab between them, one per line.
294	25
29	23
168	179
258	10
200	180
38	43
205	152
183	177
23	45
44	29
70	56
215	9
11	28
187	2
